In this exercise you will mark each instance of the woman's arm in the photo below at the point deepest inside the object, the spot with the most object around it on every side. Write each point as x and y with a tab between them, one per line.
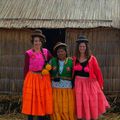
98	73
26	64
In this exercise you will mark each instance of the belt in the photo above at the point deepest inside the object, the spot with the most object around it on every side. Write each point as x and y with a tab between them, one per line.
39	71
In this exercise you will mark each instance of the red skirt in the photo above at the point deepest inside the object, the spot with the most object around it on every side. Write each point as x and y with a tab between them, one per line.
37	95
90	99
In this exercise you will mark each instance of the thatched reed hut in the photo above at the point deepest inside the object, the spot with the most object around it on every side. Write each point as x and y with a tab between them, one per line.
60	20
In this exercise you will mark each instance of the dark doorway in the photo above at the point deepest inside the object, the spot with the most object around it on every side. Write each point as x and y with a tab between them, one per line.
53	36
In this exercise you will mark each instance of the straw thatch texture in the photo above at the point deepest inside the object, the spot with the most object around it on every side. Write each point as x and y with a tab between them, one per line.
105	44
13	44
59	13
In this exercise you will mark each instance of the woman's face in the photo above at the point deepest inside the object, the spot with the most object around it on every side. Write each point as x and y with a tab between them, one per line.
82	48
37	42
61	54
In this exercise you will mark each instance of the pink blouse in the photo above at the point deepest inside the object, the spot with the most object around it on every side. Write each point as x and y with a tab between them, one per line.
34	61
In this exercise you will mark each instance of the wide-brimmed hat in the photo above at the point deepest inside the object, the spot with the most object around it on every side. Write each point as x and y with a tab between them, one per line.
59	44
82	39
39	33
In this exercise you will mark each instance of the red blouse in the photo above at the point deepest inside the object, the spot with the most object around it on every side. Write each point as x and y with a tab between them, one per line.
94	70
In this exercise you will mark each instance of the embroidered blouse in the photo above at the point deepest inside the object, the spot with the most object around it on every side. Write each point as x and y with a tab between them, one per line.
61	83
34	61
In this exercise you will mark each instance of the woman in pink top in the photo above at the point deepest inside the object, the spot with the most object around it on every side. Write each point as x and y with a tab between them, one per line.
37	91
90	99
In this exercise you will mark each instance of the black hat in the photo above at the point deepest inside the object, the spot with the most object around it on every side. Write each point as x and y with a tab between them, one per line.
39	33
82	39
58	44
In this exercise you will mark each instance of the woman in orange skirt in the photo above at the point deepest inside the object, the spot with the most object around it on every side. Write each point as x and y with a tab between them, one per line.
37	91
63	94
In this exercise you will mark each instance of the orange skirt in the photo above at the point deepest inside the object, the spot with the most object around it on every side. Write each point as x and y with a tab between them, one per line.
37	95
63	104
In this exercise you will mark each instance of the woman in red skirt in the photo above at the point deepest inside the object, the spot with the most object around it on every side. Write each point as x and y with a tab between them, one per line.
37	91
90	99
